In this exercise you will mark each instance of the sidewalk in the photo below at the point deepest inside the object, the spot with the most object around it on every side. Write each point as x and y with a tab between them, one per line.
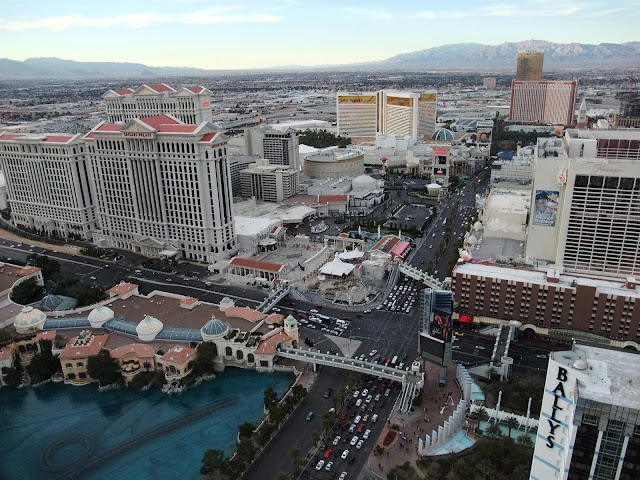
10	236
413	425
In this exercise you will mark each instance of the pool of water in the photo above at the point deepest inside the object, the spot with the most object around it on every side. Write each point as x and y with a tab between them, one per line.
515	433
52	431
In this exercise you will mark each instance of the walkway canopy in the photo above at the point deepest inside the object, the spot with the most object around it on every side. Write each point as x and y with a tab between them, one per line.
351	254
337	268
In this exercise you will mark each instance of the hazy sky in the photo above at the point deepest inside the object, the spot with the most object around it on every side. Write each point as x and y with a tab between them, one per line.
263	33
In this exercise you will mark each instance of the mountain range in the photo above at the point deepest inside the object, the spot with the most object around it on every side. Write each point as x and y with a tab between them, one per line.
460	56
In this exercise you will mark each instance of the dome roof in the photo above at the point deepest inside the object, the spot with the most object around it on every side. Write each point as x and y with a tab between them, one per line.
290	319
434	185
29	319
443	134
99	315
50	302
149	325
214	327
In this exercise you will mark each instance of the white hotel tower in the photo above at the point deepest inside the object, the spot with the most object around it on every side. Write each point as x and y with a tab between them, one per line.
48	183
189	104
163	188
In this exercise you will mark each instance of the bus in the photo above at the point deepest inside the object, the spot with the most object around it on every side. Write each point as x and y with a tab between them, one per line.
444	222
393	361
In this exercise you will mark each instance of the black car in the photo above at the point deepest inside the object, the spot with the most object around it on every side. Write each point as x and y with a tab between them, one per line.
352	459
328	393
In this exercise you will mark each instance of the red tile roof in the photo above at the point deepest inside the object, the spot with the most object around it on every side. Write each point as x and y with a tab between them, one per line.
209	136
5	352
58	138
246	313
179	354
27	271
141	350
195	89
109	127
123	288
332	198
269	345
7	136
48	335
390	243
400	248
161	87
159	120
89	135
80	351
176	128
257	264
274	318
189	300
123	91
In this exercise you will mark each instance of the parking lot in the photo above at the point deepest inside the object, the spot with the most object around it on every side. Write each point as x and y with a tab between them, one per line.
402	298
410	215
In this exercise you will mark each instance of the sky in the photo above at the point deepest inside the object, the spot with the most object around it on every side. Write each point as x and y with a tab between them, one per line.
248	34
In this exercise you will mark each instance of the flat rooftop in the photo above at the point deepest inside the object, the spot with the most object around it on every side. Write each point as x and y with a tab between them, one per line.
602	284
613	376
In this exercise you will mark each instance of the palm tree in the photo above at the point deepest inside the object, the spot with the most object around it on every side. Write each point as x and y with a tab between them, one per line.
327	420
511	423
316	437
491	371
296	455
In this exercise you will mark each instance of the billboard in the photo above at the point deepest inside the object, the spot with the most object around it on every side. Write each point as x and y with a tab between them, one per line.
441	151
427	97
400	101
545	208
441	326
357	99
439	171
484	137
436	326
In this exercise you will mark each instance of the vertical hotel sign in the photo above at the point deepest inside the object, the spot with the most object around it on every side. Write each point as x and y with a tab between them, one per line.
357	100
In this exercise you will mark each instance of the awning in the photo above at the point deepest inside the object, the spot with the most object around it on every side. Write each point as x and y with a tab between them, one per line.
168	253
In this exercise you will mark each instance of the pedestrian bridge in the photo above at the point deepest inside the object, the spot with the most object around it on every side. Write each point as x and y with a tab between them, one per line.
273	298
411	382
418	274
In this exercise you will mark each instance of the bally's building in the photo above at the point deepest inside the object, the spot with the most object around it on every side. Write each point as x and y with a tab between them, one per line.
163	188
363	115
590	417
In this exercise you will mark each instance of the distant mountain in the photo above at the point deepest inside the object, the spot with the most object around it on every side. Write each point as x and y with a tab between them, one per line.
51	67
473	55
460	56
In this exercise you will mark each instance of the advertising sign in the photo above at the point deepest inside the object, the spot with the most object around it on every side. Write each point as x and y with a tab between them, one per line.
545	208
441	326
441	151
357	99
427	97
400	101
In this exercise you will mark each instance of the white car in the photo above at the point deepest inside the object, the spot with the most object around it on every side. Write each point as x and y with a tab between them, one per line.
479	347
345	454
373	352
377	398
366	434
320	465
329	466
374	418
365	392
337	440
366	311
387	393
359	444
359	402
356	394
354	440
365	418
343	476
369	398
357	419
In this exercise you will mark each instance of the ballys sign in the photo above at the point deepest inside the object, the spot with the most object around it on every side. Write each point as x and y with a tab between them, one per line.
558	393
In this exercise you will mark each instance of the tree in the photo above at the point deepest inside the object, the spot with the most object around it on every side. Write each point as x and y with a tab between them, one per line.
103	368
299	392
525	441
486	468
12	376
315	436
270	397
296	455
49	267
493	431
27	292
277	413
212	462
44	365
327	420
246	429
511	423
205	361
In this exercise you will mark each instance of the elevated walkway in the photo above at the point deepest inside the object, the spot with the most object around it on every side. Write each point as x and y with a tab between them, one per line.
418	274
411	382
273	298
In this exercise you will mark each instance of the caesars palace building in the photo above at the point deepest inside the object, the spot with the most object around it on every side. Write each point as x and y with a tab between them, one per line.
152	184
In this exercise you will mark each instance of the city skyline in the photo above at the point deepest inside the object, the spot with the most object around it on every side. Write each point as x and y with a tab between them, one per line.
293	32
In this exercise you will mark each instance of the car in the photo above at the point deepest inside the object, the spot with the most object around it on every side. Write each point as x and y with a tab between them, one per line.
480	347
366	311
542	355
401	366
352	428
343	416
361	357
320	465
309	416
328	393
345	454
365	392
359	444
433	235
369	398
458	334
328	453
374	418
377	397
357	419
456	347
168	280
360	428
365	418
352	459
430	246
373	352
343	475
359	402
92	278
366	434
356	394
381	404
329	466
336	440
354	440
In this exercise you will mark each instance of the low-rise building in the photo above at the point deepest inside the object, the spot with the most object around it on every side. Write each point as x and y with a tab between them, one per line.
178	362
74	358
